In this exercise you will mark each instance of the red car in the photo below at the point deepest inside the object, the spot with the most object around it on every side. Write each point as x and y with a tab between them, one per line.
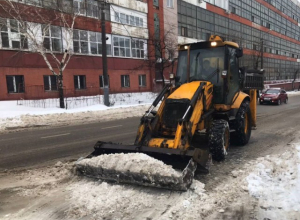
274	96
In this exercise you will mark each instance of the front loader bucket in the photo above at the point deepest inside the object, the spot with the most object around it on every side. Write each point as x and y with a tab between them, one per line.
93	166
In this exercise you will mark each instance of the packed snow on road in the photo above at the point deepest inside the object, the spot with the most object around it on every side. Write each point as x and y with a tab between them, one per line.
265	188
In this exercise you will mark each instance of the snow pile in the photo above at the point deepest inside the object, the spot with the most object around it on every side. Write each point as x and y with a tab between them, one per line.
275	183
293	93
40	181
67	118
84	101
101	200
13	116
132	162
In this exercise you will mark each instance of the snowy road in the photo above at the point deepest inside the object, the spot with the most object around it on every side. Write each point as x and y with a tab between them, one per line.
249	184
48	144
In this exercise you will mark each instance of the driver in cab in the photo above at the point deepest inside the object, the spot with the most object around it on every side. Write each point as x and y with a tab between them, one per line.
207	70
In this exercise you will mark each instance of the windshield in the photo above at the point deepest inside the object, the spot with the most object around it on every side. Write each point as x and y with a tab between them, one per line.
205	64
272	91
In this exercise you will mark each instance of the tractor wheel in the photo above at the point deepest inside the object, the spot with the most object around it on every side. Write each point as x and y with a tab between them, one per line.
219	139
242	125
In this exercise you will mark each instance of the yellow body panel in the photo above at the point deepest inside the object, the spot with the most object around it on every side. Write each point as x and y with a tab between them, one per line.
161	142
253	105
186	91
233	44
238	100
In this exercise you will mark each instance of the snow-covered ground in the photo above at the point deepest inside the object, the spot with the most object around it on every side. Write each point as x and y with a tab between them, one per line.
265	188
293	93
275	183
14	116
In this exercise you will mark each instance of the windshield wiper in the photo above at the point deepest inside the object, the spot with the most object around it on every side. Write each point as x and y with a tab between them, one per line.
210	76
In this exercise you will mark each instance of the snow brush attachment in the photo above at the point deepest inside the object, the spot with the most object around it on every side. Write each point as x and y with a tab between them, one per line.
136	168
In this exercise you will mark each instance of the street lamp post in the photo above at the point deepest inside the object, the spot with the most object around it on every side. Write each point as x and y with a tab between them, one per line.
104	54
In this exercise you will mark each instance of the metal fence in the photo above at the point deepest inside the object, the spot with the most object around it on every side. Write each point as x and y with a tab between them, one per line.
36	96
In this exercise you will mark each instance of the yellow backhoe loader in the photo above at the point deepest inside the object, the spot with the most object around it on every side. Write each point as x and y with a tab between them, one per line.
211	103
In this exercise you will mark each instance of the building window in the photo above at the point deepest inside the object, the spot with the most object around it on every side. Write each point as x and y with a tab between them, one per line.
11	36
184	31
15	84
52	37
170	4
156	3
117	18
233	10
88	42
92	8
101	80
137	48
79	7
121	46
50	83
81	44
142	80
79	82
129	19
33	2
96	44
125	81
50	4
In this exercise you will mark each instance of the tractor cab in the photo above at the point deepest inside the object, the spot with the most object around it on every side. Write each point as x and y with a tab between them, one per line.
215	61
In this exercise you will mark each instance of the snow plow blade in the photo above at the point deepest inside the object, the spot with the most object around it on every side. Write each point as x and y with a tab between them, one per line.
180	182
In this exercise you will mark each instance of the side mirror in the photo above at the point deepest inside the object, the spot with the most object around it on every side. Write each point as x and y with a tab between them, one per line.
224	74
239	52
171	76
242	71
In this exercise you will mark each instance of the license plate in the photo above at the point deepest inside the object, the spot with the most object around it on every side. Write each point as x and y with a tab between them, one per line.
267	99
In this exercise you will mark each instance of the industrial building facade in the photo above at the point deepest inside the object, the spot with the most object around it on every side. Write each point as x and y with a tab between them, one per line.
268	29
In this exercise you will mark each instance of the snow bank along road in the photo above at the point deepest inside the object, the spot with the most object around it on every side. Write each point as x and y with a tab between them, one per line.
245	185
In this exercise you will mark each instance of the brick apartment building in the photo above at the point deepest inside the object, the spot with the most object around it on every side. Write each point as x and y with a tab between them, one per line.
267	27
129	23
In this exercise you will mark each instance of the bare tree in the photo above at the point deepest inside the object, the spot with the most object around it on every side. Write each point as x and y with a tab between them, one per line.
165	50
35	24
254	60
257	54
161	52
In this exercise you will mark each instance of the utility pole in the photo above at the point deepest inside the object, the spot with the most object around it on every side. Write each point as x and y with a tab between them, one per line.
262	54
104	54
